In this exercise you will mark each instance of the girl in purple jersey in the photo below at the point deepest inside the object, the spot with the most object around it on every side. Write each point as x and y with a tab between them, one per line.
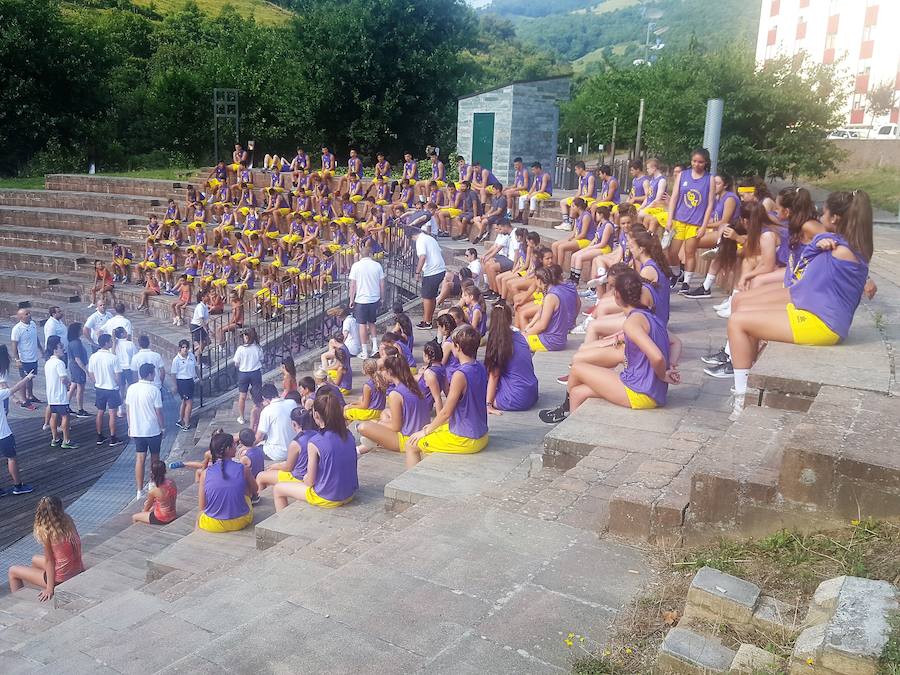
512	384
331	477
409	410
690	209
372	401
224	490
433	377
645	350
548	331
293	469
820	303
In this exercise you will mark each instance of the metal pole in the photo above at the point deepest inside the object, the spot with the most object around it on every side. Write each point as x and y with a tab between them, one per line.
650	26
712	132
612	147
215	152
637	143
588	146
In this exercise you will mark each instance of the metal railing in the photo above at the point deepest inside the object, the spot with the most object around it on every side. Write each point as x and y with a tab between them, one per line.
565	178
299	328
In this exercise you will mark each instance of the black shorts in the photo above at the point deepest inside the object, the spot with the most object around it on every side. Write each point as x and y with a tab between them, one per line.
128	377
366	312
431	285
156	521
185	389
253	380
28	367
8	446
499	219
107	398
60	409
198	333
505	263
78	377
144	444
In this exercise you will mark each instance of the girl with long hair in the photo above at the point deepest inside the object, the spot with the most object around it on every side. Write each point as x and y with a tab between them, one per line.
55	530
225	488
159	509
549	330
690	209
512	384
433	376
409	410
372	401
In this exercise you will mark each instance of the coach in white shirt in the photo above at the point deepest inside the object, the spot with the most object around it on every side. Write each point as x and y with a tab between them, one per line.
56	376
366	291
431	270
275	426
118	320
103	369
26	347
143	404
54	326
94	324
147	355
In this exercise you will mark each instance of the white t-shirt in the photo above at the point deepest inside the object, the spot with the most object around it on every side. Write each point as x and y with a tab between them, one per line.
184	367
141	402
477	273
104	366
125	351
54	372
368	275
248	358
53	326
350	328
201	314
434	260
26	336
275	423
502	241
4	424
115	322
95	323
147	356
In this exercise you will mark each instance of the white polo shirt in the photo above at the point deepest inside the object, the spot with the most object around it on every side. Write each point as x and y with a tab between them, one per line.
434	260
147	356
248	358
141	403
368	275
115	322
104	366
53	326
275	423
201	314
55	372
95	322
25	334
184	367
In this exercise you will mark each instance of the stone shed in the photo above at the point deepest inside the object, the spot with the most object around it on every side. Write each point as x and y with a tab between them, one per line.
520	119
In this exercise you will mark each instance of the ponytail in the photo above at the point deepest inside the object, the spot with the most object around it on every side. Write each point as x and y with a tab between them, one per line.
629	285
218	445
395	366
799	202
856	226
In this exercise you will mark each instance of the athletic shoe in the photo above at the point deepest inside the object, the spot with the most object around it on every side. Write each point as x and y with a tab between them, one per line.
54	442
737	408
685	287
698	293
83	413
241	420
176	465
69	446
554	416
563	379
179	424
45	427
721	371
362	355
423	325
674	281
22	489
564	226
710	253
90	305
722	305
113	441
137	496
185	427
25	405
32	399
724	313
254	500
587	294
599	281
580	329
715	359
101	439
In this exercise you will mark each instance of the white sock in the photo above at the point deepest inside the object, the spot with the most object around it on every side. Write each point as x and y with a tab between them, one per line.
601	270
709	281
740	380
728	348
676	270
522	201
687	277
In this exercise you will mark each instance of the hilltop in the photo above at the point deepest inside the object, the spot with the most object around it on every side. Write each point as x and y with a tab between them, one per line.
265	13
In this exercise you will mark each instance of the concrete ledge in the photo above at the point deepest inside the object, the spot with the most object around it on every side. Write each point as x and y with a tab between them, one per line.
719	597
687	652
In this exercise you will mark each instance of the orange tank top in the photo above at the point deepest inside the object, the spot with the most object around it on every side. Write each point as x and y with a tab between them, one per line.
68	558
164	508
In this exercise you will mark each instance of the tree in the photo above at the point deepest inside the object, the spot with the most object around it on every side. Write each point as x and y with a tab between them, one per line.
880	99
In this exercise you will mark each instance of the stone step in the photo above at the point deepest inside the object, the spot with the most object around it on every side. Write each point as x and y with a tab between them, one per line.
90	244
12	281
684	651
131	205
46	261
92	222
146	187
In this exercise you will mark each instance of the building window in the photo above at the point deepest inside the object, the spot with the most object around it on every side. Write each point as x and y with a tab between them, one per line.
862	82
871	15
828	56
833	24
801	29
804	3
866	49
775	8
771	38
857	116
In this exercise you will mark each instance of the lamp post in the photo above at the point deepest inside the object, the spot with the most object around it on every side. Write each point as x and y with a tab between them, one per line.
650	27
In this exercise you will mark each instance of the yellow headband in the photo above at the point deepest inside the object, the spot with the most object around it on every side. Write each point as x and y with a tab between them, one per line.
746	190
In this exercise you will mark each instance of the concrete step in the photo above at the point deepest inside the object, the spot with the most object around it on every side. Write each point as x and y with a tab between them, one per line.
145	187
27	283
92	222
46	261
131	205
90	244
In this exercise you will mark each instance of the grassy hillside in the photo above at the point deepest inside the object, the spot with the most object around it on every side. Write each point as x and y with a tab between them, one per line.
264	12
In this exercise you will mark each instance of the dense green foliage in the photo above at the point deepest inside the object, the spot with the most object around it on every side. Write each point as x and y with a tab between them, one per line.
111	82
776	118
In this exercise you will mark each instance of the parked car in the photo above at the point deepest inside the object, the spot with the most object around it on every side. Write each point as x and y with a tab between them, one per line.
843	134
889	131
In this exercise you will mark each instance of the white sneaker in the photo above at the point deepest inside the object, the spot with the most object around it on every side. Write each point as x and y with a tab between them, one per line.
363	354
588	295
710	253
722	305
724	313
580	329
738	407
45	427
90	305
599	281
137	496
241	420
563	226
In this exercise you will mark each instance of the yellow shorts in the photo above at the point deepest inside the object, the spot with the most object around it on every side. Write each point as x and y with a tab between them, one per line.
171	221
277	189
244	210
237	257
287	477
522	193
413	181
381	202
196	224
326	173
214	183
808	329
445	441
414	370
534	341
538	298
440	183
284	210
254	261
541	196
209	524
522	273
147	265
234	167
361	414
305	214
316	500
639	401
356	199
661	215
167	269
453	213
402	441
583	243
334	248
568	200
220	282
684	231
606	249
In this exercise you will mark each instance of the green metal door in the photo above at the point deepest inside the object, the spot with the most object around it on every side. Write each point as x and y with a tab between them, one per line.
483	140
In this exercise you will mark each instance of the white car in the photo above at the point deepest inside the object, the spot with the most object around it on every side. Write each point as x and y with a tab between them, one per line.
889	131
842	134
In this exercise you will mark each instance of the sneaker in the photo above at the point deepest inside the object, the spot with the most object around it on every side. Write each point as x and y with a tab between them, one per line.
241	420
674	281
587	294
137	496
564	226
710	253
721	371
422	325
90	305
737	408
698	293
45	427
54	442
599	281
363	355
179	424
101	439
563	379
32	399
715	359
722	305
554	416
580	329
68	445
254	500
724	313
685	287
176	465
185	427
25	405
22	489
83	413
113	441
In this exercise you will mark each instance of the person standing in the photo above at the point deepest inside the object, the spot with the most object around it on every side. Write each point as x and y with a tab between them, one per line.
146	425
125	351
117	320
184	370
57	380
103	369
431	270
366	291
8	441
55	326
248	359
26	345
78	360
147	355
275	424
94	324
200	323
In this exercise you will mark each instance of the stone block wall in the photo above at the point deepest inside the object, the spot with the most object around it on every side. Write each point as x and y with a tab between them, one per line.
499	102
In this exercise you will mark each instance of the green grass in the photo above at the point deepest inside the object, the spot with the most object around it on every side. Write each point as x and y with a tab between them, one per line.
889	663
580	64
883	185
31	183
264	12
613	5
162	174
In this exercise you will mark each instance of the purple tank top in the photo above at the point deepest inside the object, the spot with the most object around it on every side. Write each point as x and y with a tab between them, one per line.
225	493
659	293
407	353
830	287
257	459
584	187
482	321
653	190
302	463
556	334
469	419
343	356
376	396
719	207
586	219
517	388
783	252
639	186
336	477
416	411
441	374
451	367
638	375
693	196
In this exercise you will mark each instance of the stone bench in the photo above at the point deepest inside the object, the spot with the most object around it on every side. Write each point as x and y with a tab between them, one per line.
72	219
146	187
92	244
84	201
50	262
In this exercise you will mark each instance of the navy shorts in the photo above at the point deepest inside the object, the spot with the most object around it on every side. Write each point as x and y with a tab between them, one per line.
144	444
199	334
60	409
107	398
8	446
431	285
128	377
185	389
366	312
28	367
251	380
505	263
78	377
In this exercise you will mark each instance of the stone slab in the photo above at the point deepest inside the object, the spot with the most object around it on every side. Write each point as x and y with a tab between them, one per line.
476	655
124	611
721	597
687	652
751	660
